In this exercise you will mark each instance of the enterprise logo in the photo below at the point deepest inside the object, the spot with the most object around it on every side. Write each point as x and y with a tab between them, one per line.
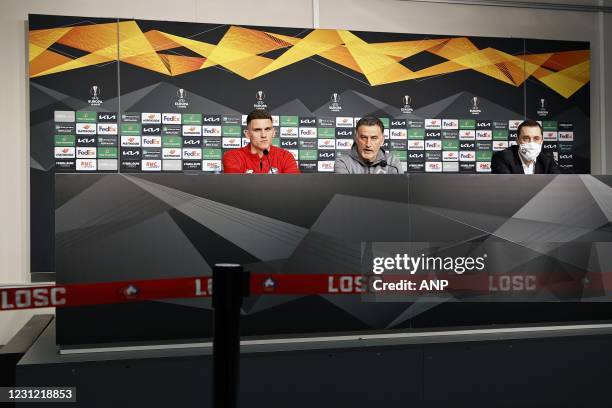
86	165
326	156
171	118
434	124
416	156
326	166
151	118
484	135
433	167
231	142
64	153
107	117
514	124
467	135
211	165
450	124
151	141
130	154
550	136
308	122
130	141
483	167
85	129
151	165
398	134
107	128
211	131
308	132
450	155
433	145
192	154
500	145
416	145
467	156
344	122
289	143
151	130
344	133
344	144
192	130
86	152
326	144
289	132
211	120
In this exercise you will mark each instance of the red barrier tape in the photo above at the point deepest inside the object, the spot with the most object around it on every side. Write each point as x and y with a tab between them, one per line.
282	284
103	293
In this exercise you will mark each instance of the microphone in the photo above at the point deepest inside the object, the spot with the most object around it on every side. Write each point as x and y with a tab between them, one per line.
383	164
266	153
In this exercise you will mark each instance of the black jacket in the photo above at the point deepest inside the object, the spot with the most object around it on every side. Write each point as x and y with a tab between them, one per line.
508	162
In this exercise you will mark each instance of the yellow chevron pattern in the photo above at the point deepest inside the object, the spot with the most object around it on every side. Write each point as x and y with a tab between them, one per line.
243	51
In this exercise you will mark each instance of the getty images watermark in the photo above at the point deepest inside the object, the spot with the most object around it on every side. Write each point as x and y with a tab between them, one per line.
402	264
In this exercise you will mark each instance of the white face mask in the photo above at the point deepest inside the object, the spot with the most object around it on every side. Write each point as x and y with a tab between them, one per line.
529	151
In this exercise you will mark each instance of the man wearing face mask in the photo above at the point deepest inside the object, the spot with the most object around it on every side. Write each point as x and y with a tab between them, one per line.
527	156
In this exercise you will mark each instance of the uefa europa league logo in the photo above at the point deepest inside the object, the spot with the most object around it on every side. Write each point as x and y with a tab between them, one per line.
335	103
542	111
260	104
180	102
407	101
95	91
475	110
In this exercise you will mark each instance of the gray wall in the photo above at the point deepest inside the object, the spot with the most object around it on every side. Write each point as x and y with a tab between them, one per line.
368	15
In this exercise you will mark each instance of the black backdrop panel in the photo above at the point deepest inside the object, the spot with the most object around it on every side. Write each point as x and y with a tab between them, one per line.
122	227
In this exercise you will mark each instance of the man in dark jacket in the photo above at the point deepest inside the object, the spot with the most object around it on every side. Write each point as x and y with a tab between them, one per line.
367	156
527	156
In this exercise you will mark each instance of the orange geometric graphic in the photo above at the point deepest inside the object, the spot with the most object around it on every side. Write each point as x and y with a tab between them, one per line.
244	51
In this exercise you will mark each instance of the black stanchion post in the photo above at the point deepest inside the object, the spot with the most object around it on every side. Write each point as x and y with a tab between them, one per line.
230	285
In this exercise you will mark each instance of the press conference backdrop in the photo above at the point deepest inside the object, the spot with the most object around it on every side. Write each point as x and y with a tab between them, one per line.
112	95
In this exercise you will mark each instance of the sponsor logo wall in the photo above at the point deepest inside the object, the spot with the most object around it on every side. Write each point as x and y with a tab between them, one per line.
155	147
